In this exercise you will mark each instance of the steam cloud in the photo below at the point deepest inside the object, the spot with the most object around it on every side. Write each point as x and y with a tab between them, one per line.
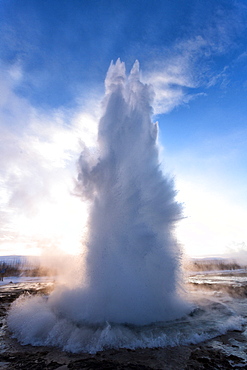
131	265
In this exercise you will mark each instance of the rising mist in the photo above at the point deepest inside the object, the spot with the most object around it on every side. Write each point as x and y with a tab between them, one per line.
131	264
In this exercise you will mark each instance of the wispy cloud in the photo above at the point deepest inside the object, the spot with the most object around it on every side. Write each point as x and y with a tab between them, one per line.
188	65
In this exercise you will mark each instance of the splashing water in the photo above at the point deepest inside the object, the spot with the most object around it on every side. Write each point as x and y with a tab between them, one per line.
132	259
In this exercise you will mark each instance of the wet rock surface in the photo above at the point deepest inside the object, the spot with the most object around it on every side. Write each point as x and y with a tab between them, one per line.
224	352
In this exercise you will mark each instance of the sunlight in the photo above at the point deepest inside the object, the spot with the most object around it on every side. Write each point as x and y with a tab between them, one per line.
60	223
212	222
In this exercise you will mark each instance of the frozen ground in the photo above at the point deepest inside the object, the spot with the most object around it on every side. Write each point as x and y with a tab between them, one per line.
225	351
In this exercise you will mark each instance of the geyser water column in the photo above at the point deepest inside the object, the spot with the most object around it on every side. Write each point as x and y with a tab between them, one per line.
131	268
133	257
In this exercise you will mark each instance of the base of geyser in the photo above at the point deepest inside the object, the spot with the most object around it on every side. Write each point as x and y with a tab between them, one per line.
225	351
37	321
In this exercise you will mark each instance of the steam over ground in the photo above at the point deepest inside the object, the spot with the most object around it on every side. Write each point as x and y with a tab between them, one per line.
131	266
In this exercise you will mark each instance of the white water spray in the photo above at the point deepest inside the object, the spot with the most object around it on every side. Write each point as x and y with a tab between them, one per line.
132	260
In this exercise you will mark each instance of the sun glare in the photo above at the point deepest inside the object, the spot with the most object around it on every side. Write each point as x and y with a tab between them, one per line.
211	222
59	224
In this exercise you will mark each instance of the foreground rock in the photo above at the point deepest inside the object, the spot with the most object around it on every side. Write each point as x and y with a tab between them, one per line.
225	352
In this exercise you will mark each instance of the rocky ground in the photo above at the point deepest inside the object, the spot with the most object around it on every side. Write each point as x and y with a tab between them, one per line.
225	352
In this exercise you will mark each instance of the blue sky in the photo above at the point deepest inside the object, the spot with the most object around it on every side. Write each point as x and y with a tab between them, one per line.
54	56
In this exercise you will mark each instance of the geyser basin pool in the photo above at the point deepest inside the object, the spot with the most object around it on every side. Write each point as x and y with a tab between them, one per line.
132	261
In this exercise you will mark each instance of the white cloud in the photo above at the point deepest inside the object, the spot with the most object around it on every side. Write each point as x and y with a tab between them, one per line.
38	156
173	81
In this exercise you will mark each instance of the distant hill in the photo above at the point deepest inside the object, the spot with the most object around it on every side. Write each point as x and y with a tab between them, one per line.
209	264
15	259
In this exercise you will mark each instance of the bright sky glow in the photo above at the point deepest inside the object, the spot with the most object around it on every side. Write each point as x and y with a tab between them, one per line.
53	61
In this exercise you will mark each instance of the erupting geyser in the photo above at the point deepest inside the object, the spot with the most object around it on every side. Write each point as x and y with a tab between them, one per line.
132	256
132	260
